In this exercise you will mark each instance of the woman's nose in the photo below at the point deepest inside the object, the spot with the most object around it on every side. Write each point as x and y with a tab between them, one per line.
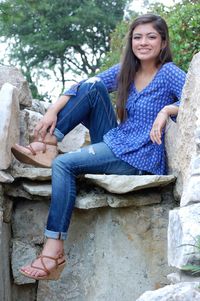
143	41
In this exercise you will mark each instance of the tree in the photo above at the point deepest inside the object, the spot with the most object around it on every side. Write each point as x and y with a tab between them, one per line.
60	34
183	20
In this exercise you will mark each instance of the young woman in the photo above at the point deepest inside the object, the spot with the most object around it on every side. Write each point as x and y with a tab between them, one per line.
149	88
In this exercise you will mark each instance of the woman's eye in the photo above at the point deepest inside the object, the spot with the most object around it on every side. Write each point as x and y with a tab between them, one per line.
152	37
136	38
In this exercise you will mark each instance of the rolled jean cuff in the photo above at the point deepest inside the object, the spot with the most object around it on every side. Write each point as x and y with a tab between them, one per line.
58	135
55	235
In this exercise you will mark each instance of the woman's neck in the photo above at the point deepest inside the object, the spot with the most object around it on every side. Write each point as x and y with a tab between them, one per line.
147	68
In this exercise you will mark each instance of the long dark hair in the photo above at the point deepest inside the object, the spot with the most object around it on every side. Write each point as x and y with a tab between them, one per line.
130	64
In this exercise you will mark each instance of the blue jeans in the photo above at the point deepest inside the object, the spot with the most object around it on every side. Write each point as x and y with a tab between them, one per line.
92	107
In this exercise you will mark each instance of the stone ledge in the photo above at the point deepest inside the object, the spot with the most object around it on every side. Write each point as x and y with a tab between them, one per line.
122	184
121	191
32	173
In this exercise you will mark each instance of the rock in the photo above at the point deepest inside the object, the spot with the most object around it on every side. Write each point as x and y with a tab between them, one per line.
17	191
187	122
170	134
37	188
77	138
85	200
22	254
13	76
1	197
32	173
7	210
38	106
29	221
182	277
5	177
34	118
181	291
123	184
113	254
191	191
24	133
182	231
90	200
135	199
5	277
9	129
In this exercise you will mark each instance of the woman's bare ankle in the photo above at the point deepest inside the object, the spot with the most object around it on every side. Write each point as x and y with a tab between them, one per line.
53	247
51	139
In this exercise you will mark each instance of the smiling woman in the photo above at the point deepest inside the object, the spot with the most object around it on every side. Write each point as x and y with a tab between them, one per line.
148	88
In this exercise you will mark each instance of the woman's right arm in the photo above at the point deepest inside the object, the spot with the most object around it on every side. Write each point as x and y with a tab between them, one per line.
48	122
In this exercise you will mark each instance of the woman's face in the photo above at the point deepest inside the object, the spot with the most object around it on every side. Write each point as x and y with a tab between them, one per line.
146	42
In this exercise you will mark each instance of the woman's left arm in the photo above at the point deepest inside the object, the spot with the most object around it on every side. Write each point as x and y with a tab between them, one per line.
176	80
160	122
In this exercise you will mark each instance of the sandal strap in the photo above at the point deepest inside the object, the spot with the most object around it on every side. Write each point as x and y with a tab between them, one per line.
30	147
44	268
48	142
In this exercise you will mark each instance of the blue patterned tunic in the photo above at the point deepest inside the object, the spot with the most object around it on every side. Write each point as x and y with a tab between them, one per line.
130	140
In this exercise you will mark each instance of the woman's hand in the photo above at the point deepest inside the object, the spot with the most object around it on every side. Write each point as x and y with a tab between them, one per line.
158	125
47	123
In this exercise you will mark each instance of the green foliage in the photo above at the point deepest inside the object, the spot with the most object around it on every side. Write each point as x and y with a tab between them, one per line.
61	35
192	267
117	44
183	20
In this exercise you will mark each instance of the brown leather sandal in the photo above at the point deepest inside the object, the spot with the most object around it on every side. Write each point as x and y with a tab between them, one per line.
51	274
42	158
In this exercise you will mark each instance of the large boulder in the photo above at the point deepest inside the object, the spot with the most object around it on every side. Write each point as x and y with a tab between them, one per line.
185	148
178	292
182	232
9	128
13	76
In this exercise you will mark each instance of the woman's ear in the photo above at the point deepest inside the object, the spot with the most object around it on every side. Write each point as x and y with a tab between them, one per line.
163	45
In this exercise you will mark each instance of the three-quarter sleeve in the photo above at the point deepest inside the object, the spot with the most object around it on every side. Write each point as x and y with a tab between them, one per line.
108	77
177	79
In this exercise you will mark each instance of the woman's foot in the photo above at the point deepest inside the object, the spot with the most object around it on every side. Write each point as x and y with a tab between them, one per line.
49	264
37	153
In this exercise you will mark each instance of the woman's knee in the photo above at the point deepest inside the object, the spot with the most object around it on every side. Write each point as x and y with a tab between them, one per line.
95	83
61	162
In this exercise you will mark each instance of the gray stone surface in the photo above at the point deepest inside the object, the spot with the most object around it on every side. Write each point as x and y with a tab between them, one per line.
180	276
5	277
123	184
9	128
29	221
104	247
38	106
5	177
90	200
13	76
187	121
170	144
35	188
77	138
177	292
22	254
7	210
41	174
33	119
24	133
25	292
191	191
16	191
182	230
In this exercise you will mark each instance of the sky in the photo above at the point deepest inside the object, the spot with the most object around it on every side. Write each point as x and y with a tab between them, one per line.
51	85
